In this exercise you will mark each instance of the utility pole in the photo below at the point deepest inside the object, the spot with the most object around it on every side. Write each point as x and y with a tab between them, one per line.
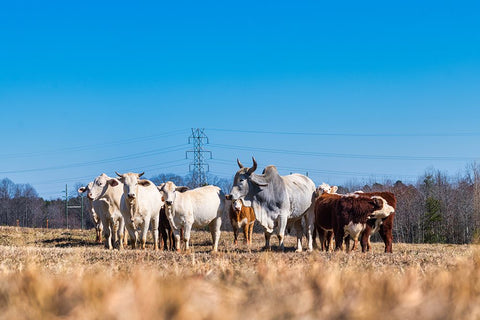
198	167
71	207
66	204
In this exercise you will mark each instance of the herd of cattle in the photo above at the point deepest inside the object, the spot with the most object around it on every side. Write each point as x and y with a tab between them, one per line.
278	203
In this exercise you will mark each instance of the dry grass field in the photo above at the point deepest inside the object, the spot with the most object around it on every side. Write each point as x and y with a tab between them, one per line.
63	274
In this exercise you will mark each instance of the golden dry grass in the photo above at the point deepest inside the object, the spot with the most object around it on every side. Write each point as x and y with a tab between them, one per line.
63	274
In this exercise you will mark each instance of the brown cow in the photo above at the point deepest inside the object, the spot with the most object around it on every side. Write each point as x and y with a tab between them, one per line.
383	223
166	232
324	211
350	217
242	217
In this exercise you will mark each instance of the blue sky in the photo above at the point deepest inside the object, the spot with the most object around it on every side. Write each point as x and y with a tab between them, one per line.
352	90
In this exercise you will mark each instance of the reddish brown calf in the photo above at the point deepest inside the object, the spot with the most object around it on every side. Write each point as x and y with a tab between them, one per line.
242	217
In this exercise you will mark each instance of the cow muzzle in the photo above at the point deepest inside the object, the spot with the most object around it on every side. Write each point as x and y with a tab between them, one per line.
131	196
168	203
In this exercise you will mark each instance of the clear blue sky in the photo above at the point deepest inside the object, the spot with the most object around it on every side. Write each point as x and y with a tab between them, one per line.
377	89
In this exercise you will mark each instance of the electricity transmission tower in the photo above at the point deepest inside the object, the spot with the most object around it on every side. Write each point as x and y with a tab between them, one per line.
198	167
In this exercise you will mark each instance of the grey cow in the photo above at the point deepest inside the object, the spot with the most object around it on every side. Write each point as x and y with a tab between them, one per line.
277	201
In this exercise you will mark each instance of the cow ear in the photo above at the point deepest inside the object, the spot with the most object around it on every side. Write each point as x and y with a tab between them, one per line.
144	183
258	180
334	189
113	182
181	189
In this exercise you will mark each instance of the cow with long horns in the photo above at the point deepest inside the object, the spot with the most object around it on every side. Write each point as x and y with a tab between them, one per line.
277	201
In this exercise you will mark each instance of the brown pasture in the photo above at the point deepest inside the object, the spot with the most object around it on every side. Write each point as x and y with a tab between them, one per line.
64	274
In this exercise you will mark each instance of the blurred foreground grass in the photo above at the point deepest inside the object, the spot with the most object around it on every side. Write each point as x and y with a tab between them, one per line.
63	274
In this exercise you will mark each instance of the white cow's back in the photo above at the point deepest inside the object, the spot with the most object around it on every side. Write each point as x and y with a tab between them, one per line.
202	205
301	193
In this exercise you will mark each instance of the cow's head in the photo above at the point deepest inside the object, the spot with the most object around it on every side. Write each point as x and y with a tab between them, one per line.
169	195
325	188
86	189
383	210
237	206
243	178
98	187
131	181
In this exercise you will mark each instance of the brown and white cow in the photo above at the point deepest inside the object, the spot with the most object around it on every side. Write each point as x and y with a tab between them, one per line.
383	223
325	205
242	217
350	216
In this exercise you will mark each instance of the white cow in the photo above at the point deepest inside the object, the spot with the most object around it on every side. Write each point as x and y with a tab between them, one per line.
193	208
140	206
95	217
106	195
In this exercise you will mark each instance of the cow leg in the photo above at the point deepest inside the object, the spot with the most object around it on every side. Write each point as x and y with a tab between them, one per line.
165	235
215	230
176	233
267	241
314	238
310	226
339	239
109	234
249	242
98	238
347	243
282	226
299	231
386	234
235	232
186	235
364	239
100	231
245	232
355	244
329	240
144	229
121	230
131	232
171	240
321	236
155	223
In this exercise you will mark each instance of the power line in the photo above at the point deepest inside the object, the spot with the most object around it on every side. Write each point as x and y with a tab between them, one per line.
343	155
349	134
120	158
92	146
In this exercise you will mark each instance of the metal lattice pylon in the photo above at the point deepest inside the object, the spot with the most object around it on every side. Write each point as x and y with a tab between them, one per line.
198	167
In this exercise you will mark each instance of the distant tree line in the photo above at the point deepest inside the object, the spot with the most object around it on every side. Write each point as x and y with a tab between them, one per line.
436	209
20	204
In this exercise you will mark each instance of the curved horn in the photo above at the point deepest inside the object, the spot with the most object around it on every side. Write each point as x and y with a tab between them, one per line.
239	164
254	167
118	174
141	174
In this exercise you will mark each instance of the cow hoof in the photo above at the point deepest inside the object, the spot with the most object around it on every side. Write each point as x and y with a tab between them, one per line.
298	250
